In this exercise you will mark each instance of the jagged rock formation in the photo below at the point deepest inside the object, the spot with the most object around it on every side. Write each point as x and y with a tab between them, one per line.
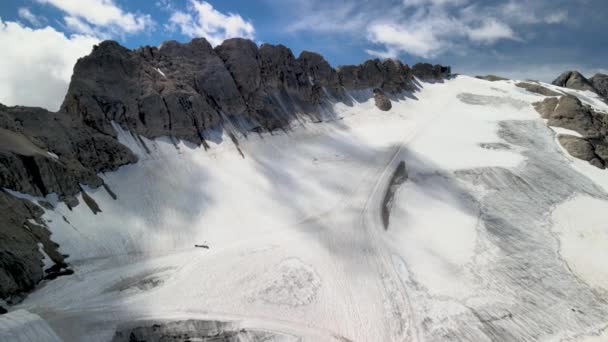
570	113
574	80
43	153
188	91
429	72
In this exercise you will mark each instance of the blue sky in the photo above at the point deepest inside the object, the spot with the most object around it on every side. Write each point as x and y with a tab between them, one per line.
517	38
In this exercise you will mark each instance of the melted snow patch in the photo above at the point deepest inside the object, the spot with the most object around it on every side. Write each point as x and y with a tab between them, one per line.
583	234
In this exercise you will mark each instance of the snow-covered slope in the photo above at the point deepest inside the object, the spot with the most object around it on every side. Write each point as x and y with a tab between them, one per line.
495	234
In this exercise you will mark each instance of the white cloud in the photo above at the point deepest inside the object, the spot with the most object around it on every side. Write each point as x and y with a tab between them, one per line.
557	17
416	3
101	14
207	22
421	41
25	13
490	31
424	28
77	25
37	64
328	17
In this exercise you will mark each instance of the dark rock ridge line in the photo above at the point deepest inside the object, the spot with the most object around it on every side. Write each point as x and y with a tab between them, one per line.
575	80
189	91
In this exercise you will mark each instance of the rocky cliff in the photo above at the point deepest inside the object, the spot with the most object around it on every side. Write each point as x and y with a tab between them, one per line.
188	91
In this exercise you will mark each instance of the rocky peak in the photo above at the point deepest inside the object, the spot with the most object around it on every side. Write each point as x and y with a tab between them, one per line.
573	80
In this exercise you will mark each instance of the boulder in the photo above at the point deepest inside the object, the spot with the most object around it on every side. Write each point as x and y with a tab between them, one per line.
382	101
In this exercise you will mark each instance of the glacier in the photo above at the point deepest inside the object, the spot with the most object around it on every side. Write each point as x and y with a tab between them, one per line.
497	234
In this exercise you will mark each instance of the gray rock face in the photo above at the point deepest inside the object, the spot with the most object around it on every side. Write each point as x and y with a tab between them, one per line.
429	72
600	83
537	89
578	147
187	91
42	153
569	112
382	101
573	80
390	75
546	107
54	153
572	114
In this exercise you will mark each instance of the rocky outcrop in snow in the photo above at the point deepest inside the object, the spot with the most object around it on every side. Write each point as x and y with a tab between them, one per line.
570	113
537	89
575	80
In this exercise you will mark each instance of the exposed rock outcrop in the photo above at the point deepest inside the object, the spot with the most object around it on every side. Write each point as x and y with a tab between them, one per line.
546	107
429	72
43	153
573	80
581	149
389	75
186	91
537	89
570	113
